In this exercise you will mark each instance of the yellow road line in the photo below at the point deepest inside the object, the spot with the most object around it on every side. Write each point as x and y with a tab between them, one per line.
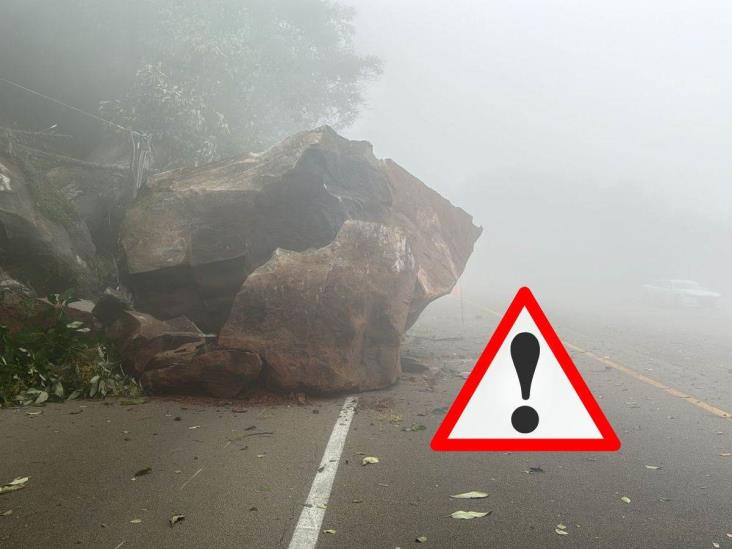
640	377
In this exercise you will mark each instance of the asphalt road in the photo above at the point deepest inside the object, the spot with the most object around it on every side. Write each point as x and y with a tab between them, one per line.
241	472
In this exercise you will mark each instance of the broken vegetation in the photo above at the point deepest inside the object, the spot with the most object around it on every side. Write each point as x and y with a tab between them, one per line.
55	358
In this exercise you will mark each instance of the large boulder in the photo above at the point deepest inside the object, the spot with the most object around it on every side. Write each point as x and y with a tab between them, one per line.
329	319
193	239
43	242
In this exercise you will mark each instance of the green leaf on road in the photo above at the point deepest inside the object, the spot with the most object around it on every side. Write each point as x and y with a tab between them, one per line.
625	499
176	519
17	484
467	515
470	495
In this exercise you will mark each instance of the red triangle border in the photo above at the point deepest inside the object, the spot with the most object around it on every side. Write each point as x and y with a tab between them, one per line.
525	299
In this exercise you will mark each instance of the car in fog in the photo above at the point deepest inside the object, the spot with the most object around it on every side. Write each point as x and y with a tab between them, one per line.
680	293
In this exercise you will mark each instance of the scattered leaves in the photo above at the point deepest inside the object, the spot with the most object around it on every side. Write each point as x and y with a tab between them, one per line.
369	460
421	539
175	519
16	484
136	521
467	515
625	499
533	470
194	427
561	532
329	531
41	398
10	512
143	472
470	495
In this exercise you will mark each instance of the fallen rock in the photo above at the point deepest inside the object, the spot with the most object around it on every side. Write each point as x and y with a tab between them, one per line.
330	319
220	373
441	235
193	239
140	337
111	305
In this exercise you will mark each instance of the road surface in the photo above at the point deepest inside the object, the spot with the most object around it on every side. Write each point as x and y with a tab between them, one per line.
242	473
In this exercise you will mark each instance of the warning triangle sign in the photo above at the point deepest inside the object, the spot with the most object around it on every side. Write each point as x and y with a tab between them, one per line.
525	394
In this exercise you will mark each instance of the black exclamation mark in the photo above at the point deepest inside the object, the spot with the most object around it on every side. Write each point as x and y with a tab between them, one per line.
525	355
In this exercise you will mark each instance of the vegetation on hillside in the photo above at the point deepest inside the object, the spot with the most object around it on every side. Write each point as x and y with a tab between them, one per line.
205	79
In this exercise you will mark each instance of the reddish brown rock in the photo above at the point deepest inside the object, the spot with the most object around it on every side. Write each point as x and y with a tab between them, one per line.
140	337
221	373
331	319
195	237
370	247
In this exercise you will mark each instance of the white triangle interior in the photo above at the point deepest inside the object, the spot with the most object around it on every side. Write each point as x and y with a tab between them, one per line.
561	412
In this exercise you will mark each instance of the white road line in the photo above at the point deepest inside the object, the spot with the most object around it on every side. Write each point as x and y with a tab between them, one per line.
308	526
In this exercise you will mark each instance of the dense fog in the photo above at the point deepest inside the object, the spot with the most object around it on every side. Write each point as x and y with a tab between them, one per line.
590	140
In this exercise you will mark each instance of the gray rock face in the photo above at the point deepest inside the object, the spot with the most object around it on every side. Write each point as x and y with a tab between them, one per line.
330	319
100	195
43	242
191	242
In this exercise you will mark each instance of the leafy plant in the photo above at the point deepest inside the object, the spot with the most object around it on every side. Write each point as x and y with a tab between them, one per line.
54	358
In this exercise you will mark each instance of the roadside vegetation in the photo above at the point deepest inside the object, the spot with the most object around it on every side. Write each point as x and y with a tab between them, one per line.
57	359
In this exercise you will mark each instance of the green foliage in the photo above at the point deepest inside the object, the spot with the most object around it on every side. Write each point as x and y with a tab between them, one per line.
223	76
62	361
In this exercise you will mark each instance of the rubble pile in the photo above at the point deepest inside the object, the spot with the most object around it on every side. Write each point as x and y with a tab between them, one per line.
299	268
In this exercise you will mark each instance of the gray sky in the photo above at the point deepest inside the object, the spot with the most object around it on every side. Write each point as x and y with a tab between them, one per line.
592	92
